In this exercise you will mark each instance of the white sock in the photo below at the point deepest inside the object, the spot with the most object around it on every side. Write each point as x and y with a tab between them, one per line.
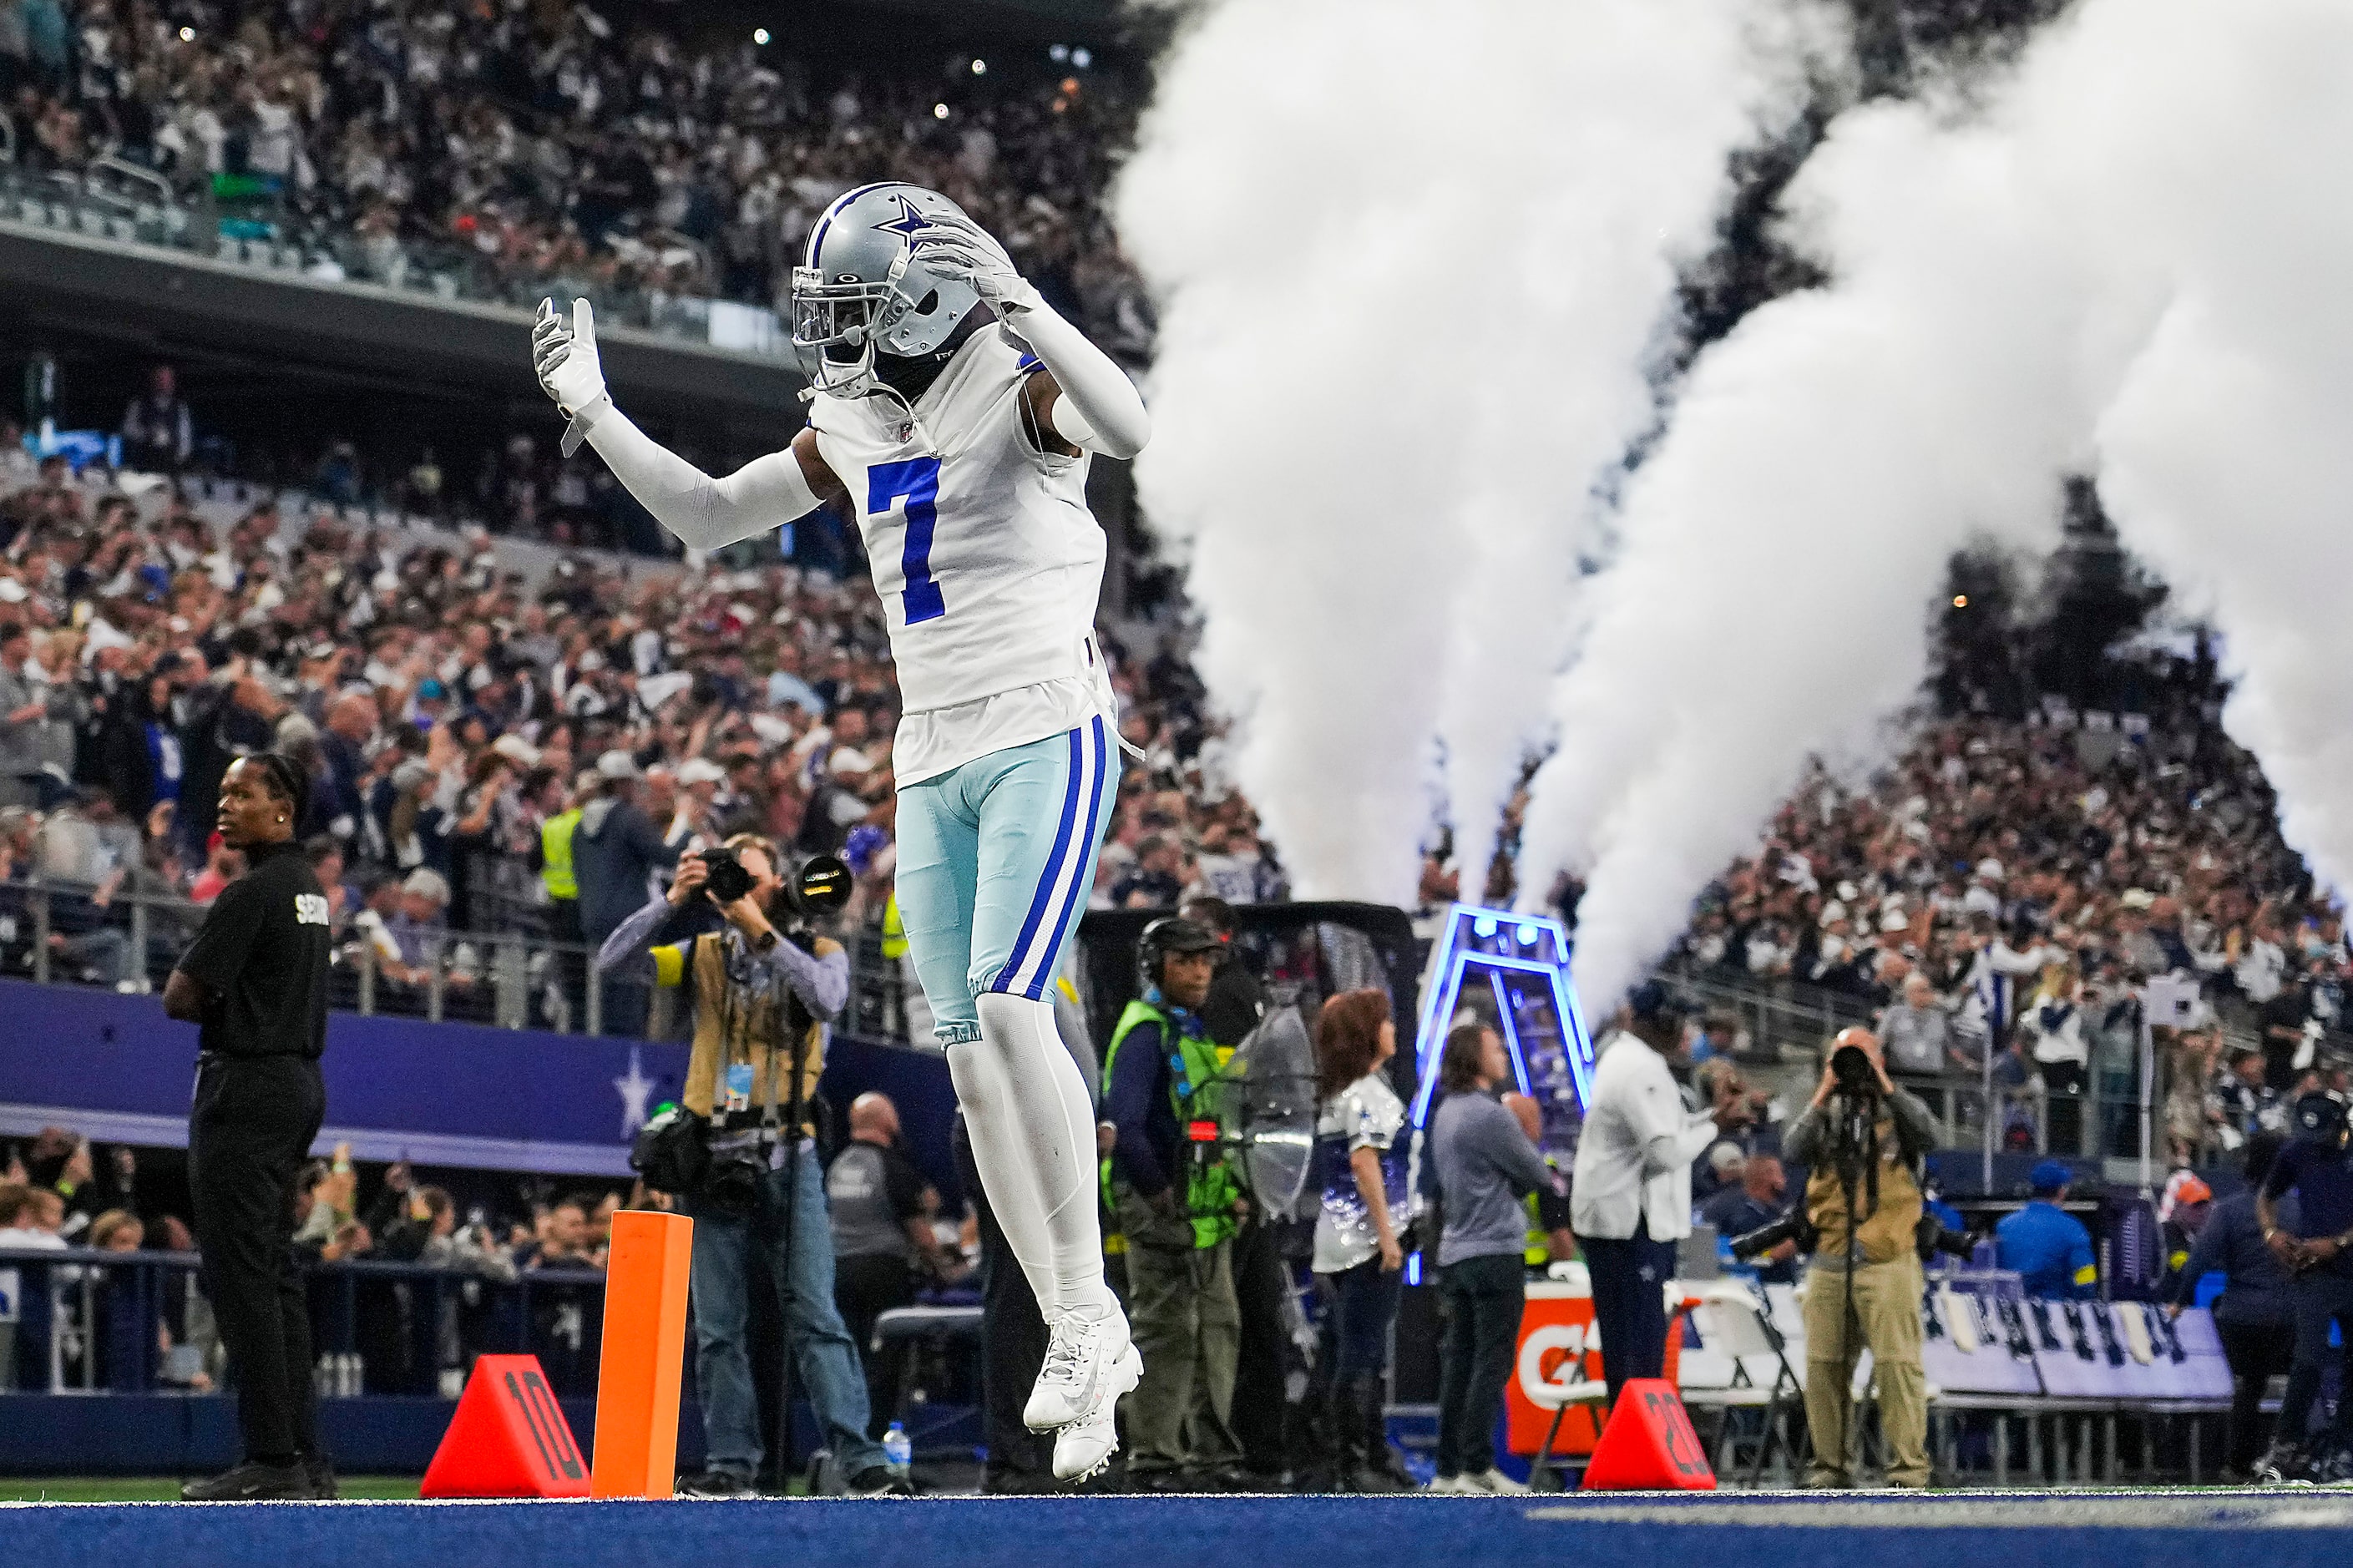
1033	1139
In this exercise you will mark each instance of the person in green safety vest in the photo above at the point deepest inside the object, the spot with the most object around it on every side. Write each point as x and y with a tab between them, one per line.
1169	1181
562	804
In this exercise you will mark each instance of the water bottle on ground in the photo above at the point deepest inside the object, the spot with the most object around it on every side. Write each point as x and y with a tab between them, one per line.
898	1452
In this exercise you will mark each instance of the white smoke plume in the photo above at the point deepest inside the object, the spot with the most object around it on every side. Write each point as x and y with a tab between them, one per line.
2124	260
1410	277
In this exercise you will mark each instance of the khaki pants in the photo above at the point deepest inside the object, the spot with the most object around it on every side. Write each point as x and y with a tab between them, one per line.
1886	1319
1186	1323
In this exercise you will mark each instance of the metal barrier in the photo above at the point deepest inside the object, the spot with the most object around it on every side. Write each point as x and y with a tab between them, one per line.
61	933
77	1322
95	204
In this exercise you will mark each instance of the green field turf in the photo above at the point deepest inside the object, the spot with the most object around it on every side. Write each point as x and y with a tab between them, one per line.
164	1489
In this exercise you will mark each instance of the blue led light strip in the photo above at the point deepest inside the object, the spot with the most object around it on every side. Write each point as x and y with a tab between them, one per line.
1457	958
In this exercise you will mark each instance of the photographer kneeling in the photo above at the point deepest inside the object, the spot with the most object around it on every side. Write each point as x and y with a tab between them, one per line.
1863	1139
761	996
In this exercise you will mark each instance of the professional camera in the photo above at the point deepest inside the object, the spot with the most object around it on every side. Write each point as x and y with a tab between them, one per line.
1766	1238
724	877
1851	1069
1930	1238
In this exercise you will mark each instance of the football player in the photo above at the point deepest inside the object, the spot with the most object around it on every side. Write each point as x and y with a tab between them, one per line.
953	415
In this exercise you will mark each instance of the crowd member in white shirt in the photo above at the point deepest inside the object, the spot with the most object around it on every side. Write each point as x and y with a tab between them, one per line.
1632	1201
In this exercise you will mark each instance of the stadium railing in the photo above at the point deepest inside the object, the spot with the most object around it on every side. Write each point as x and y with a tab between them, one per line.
76	1321
244	223
58	933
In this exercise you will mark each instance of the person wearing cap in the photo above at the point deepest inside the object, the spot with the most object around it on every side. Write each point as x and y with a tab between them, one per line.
1864	1141
2045	1245
2243	1102
2254	1317
1177	1203
615	851
2316	1247
1632	1197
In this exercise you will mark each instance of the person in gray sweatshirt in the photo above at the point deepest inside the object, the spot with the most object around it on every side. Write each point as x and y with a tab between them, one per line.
1482	1166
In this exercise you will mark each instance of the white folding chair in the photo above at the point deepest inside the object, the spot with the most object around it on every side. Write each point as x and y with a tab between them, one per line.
1570	1386
1733	1323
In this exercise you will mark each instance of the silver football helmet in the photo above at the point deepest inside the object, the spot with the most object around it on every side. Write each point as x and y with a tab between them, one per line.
862	287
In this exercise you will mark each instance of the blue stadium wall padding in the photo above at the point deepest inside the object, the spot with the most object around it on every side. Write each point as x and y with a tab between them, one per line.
1625	1530
115	1070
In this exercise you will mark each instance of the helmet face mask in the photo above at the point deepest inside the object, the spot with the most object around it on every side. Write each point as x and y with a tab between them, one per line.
862	291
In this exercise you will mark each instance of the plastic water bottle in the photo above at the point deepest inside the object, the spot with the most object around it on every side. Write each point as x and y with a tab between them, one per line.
898	1452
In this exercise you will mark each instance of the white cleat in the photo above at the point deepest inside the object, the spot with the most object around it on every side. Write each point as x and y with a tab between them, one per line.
1084	1447
1496	1482
1455	1486
1080	1354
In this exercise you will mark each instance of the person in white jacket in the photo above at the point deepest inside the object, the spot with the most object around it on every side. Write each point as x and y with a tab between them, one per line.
1630	1201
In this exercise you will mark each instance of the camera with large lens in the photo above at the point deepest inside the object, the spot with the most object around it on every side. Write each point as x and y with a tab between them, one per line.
724	877
1766	1238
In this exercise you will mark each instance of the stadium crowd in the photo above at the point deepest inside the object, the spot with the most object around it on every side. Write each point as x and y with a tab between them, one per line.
485	754
2022	884
521	149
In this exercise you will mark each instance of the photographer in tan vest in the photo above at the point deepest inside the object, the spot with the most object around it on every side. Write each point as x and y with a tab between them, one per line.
764	986
1863	1139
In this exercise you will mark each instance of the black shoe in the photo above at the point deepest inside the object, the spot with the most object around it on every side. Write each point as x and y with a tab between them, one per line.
253	1481
880	1481
1167	1483
1003	1481
321	1473
717	1484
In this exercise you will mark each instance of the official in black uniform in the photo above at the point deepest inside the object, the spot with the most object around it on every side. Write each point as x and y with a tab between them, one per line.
255	983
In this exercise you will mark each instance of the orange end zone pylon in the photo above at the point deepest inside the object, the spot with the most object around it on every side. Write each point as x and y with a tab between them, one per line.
644	1355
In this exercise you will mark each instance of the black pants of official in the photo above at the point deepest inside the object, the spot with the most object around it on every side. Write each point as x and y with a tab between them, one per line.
1012	1346
2321	1296
864	1289
2257	1352
1630	1303
1482	1299
252	1126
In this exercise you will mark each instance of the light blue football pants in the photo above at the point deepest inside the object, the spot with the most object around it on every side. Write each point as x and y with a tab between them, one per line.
995	859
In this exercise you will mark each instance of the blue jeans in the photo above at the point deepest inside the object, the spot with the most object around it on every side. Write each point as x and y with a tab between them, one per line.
825	1368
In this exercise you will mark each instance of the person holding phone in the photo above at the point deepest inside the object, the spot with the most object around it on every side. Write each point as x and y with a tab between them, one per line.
255	983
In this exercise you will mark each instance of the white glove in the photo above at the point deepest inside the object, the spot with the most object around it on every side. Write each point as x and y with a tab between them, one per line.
953	246
569	370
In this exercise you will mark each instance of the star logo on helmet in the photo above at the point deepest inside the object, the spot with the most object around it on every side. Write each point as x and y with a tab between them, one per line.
908	224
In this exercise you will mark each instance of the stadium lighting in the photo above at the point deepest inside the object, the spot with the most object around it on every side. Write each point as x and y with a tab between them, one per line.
188	34
939	111
1960	601
1082	58
980	68
1462	962
1059	53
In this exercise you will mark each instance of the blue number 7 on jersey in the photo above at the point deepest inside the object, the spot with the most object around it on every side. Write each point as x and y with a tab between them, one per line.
918	480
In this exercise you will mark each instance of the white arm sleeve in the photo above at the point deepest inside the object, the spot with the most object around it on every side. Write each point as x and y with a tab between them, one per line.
1100	408
764	494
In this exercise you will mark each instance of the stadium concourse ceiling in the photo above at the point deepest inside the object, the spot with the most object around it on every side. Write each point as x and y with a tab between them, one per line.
59	285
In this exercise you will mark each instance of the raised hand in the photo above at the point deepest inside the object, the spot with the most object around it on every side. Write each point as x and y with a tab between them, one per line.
953	246
564	354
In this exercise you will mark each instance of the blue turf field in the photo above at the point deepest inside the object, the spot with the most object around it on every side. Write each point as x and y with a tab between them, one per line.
2143	1529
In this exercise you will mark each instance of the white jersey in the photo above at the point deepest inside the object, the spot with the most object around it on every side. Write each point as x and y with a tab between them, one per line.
986	558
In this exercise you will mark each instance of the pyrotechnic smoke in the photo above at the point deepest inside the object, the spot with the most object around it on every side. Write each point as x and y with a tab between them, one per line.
1412	268
2127	260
